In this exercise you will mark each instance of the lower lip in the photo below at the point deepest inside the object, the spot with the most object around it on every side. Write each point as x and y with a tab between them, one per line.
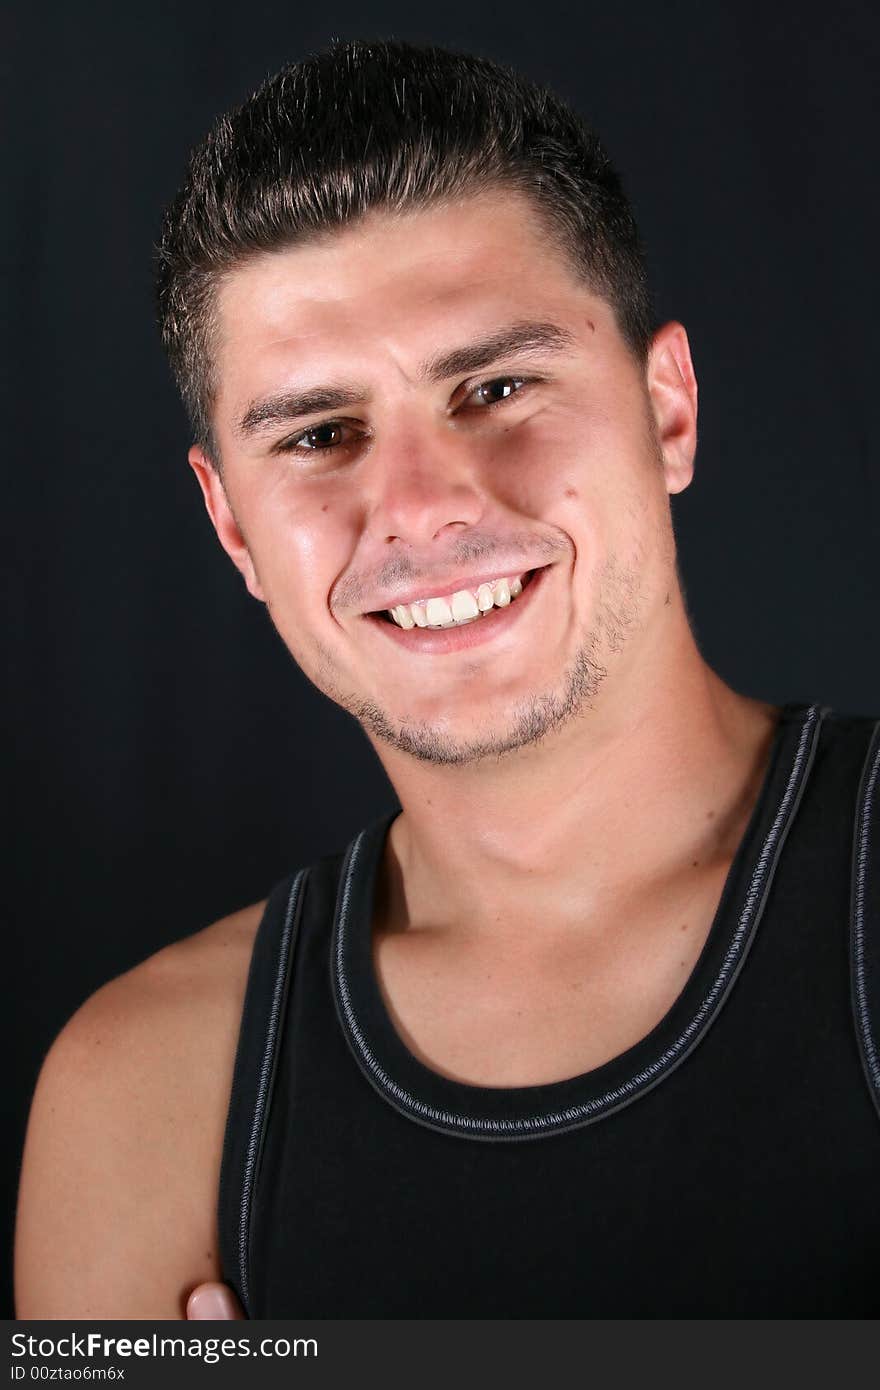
437	641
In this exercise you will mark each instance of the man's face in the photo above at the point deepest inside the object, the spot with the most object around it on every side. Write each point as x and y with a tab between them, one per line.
415	408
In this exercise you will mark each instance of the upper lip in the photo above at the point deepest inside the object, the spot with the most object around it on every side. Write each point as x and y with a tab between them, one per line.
439	587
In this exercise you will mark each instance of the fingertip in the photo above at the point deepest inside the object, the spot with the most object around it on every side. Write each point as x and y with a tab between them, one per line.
212	1303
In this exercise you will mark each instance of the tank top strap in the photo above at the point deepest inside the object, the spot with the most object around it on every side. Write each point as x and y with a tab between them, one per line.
865	917
253	1076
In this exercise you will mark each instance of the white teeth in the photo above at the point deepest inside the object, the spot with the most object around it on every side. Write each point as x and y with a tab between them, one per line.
438	612
464	606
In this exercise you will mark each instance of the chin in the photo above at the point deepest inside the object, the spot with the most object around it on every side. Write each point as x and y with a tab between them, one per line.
468	741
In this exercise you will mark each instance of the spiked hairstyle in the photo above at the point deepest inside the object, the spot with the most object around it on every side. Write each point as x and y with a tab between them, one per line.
382	125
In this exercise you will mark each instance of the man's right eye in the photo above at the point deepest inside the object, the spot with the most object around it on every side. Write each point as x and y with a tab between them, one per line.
320	439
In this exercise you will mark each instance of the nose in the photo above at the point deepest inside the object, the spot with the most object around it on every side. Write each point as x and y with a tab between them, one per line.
423	484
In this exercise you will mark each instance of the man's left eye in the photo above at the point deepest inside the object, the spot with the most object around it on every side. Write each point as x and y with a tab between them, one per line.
496	392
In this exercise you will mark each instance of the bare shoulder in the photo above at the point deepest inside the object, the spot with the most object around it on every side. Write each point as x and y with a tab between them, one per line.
118	1193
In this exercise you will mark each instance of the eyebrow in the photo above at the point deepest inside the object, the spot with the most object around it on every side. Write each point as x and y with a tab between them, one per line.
283	407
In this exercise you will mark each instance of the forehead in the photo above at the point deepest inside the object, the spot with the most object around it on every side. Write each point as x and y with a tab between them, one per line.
393	288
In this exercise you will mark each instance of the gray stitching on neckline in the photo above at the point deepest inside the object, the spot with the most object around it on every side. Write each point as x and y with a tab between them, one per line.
262	1091
865	811
619	1095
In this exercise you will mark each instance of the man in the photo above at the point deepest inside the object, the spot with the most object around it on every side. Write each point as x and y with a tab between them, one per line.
575	1033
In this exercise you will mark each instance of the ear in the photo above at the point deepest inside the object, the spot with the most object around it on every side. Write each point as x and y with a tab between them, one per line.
672	386
223	518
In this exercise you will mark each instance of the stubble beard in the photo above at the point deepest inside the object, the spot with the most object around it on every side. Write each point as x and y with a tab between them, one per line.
540	714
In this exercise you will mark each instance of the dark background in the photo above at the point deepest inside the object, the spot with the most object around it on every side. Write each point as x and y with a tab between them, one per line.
168	763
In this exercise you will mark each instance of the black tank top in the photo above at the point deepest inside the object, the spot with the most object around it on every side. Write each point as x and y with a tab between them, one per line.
727	1165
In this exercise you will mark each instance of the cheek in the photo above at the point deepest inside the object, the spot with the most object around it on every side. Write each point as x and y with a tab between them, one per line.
590	472
557	467
540	462
300	541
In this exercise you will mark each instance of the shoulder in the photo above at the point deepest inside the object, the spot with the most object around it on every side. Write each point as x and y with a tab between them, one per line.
118	1193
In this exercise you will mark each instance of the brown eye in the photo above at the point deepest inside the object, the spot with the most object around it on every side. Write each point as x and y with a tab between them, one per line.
496	392
317	439
321	437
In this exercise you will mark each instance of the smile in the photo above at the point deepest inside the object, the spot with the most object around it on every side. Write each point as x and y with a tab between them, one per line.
464	606
452	634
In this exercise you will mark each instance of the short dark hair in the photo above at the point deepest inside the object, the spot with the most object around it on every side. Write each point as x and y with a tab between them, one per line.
382	124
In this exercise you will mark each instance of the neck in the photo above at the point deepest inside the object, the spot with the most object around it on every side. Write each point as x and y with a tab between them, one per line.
628	793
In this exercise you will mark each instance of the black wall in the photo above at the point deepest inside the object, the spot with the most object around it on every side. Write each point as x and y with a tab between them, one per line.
167	763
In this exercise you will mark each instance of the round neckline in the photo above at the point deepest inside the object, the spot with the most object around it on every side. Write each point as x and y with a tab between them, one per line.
524	1112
